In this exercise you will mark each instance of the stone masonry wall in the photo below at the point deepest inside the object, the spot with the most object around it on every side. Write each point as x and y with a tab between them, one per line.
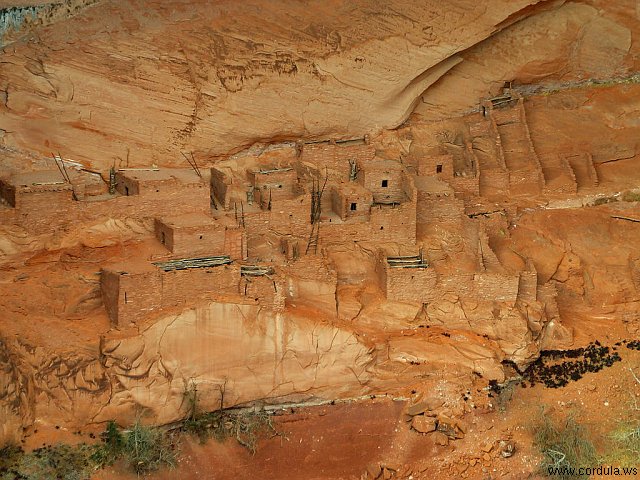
132	297
335	157
413	285
41	212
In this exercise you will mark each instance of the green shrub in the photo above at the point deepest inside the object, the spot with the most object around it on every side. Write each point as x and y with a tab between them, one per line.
64	462
244	426
148	448
563	444
631	197
604	201
624	449
112	446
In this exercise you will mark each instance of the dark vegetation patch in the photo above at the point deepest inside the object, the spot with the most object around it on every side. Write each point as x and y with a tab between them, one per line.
143	448
556	368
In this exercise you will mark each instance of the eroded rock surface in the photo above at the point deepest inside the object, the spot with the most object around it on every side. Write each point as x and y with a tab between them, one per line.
205	72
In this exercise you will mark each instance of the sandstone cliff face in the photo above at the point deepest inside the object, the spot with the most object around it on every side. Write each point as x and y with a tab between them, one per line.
233	354
201	74
137	83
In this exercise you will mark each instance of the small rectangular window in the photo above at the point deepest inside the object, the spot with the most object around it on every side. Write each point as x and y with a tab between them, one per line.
353	206
438	168
385	183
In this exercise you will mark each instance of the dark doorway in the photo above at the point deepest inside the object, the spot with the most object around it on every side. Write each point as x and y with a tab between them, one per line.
438	168
353	206
385	183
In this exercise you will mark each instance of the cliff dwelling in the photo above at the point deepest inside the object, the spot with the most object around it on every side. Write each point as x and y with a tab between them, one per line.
356	240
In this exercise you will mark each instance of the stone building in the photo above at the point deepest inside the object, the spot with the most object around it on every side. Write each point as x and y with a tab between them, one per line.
199	234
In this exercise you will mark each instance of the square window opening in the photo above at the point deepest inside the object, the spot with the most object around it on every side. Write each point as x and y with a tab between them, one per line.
353	206
385	183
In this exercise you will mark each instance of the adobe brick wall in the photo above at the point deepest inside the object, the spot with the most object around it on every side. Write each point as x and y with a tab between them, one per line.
386	223
164	234
393	223
466	186
484	286
496	286
461	284
257	222
493	180
45	211
291	216
110	289
528	286
235	243
311	282
267	291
